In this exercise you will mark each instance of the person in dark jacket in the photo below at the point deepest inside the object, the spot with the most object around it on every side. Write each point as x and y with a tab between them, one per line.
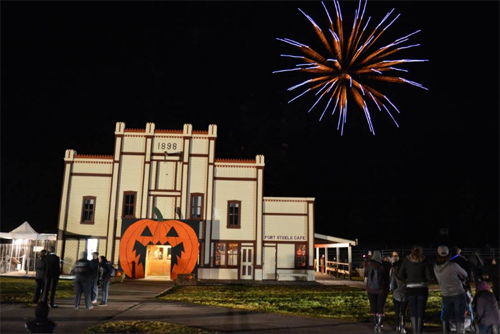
399	296
462	261
377	296
105	273
41	323
477	265
451	278
41	266
486	309
415	271
94	267
52	273
83	281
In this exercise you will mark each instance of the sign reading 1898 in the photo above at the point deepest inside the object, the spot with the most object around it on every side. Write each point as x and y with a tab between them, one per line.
168	146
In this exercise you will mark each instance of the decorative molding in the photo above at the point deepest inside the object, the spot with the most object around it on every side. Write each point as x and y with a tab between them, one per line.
92	156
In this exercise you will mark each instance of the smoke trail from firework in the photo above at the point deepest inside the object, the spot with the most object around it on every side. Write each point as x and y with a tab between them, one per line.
350	63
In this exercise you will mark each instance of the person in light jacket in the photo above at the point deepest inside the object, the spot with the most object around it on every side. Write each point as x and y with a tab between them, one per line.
451	278
416	272
399	295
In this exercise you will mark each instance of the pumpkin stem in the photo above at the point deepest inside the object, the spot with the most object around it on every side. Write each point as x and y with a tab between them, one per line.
158	214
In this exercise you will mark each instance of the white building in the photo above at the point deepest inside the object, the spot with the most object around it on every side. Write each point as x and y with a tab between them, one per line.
241	233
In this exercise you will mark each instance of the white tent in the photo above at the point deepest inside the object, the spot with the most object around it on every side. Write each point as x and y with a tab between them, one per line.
23	238
25	231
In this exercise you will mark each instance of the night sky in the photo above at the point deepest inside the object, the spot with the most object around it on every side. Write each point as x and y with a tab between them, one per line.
71	70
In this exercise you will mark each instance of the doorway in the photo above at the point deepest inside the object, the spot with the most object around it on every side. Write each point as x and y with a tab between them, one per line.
92	246
158	261
246	271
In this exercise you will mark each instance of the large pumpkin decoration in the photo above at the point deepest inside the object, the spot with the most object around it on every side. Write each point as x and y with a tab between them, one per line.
142	233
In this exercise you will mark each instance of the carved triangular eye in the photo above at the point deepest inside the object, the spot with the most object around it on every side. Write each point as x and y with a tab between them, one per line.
146	232
172	233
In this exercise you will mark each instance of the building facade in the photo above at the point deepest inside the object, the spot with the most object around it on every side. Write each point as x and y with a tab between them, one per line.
241	233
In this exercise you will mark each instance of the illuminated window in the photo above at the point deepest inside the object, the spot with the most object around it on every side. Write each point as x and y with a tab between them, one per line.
300	256
220	254
129	204
196	206
88	209
232	254
234	214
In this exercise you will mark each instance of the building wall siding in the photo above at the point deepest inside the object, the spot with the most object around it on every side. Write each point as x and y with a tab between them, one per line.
70	255
134	143
235	171
89	186
198	175
86	167
294	226
224	192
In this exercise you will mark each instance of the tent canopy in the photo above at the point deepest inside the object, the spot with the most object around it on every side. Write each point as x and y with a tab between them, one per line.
25	231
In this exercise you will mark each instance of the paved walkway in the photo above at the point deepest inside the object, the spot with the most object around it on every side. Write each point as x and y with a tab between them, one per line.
134	300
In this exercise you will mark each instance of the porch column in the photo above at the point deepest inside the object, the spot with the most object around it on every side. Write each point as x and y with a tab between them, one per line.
349	260
316	268
337	260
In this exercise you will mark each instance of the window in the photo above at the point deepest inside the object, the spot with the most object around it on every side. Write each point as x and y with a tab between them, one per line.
220	254
226	254
234	214
196	206
300	256
88	210
129	204
232	254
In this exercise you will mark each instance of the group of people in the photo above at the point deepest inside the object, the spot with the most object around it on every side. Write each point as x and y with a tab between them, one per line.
88	274
47	273
408	279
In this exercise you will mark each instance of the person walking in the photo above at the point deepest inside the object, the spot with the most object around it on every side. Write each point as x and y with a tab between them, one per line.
83	281
94	267
376	275
52	273
105	273
415	271
399	296
485	307
451	278
40	269
322	263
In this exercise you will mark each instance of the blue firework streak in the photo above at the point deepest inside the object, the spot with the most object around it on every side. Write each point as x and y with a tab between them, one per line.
350	63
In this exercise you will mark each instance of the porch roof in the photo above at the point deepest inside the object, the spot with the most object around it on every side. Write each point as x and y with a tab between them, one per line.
323	241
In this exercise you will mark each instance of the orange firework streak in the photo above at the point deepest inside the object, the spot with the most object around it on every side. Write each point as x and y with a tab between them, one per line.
349	63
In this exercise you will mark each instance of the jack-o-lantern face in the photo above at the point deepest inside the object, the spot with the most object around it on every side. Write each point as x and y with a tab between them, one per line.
142	233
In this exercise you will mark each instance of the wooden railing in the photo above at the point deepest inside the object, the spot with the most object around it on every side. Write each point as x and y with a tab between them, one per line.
336	268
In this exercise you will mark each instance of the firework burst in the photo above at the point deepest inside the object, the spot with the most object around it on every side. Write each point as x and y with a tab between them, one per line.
352	62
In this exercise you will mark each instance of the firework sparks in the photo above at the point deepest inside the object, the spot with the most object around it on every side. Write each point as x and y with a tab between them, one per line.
351	62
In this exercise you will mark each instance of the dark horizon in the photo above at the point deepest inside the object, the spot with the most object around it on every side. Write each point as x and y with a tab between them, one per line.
71	70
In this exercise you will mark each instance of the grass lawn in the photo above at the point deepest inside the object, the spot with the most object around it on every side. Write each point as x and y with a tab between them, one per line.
339	302
22	289
141	327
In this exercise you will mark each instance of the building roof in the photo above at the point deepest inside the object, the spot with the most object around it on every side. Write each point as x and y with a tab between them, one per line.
324	240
